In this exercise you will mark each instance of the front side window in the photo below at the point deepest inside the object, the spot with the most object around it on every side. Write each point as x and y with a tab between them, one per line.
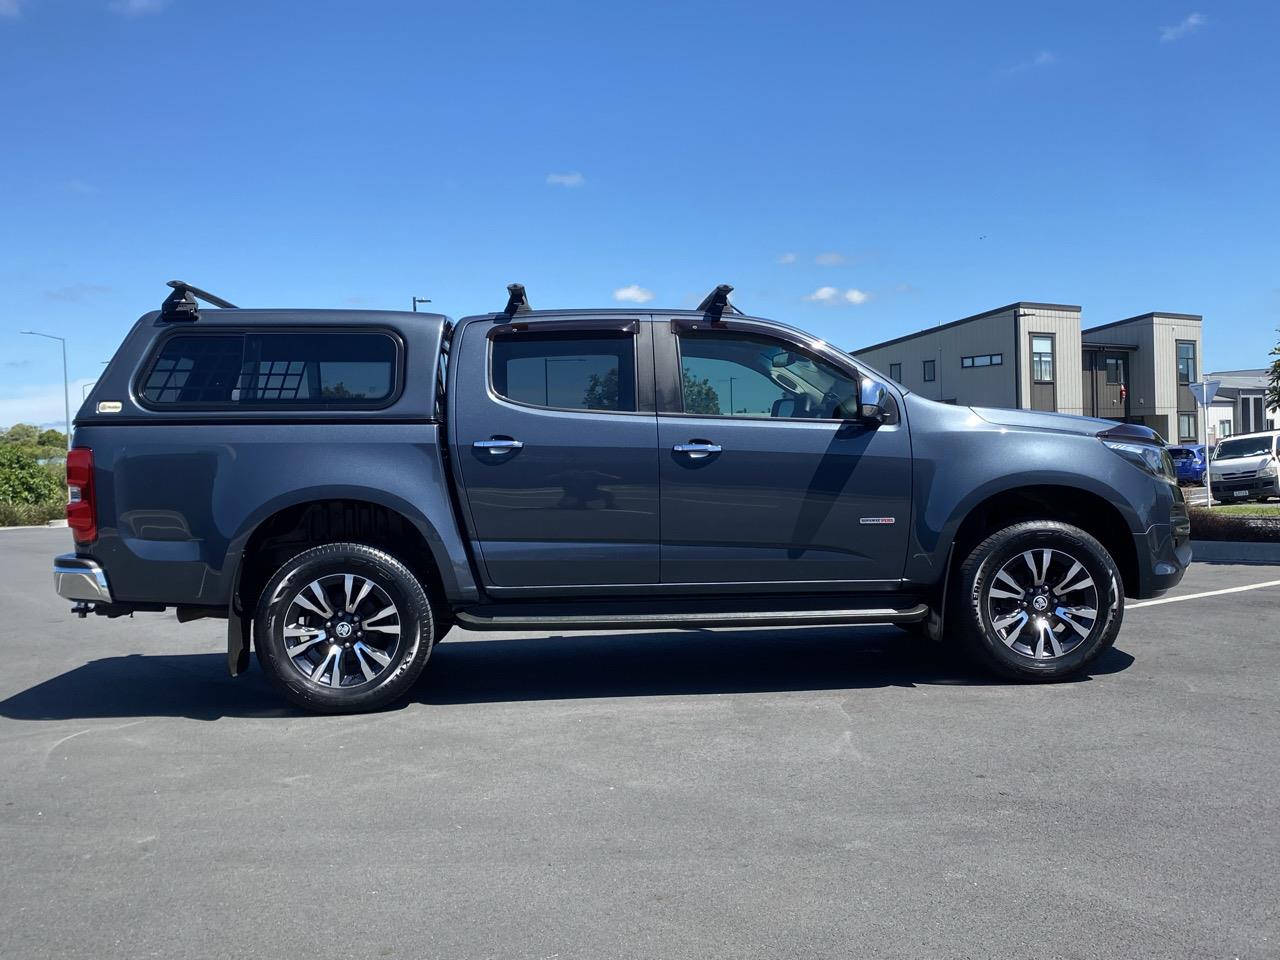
576	371
273	369
930	371
743	375
1186	361
1042	359
1186	427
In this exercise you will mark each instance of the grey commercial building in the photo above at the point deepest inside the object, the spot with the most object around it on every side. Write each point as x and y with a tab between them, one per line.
1036	356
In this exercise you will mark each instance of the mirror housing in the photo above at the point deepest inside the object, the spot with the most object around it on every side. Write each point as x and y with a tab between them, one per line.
874	403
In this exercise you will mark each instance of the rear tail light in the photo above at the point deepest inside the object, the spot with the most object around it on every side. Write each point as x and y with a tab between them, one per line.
82	511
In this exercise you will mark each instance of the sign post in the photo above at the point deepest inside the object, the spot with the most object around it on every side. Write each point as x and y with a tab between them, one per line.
1204	392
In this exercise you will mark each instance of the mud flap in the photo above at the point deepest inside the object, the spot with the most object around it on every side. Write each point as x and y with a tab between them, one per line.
238	627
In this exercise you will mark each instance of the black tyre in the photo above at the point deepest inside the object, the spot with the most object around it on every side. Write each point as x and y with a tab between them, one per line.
343	628
1038	601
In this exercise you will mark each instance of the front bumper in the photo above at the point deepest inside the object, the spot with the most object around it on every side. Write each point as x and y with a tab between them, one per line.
76	578
1244	489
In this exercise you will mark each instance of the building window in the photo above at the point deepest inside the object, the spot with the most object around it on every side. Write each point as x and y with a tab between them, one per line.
1224	428
1115	371
1186	427
983	360
1042	359
930	370
895	372
1186	361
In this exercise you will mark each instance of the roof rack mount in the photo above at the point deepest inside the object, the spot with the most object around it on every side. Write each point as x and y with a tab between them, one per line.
517	300
716	303
182	303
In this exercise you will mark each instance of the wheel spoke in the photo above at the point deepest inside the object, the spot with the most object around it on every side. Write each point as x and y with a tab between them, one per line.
335	678
1076	567
377	655
298	630
1086	582
318	592
1077	627
1042	634
304	646
346	591
1005	576
1011	637
368	671
306	604
384	612
318	672
364	592
391	629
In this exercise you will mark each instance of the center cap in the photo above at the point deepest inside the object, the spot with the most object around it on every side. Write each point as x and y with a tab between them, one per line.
1040	603
343	630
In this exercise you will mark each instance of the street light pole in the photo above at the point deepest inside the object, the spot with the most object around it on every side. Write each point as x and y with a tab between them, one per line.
418	300
66	386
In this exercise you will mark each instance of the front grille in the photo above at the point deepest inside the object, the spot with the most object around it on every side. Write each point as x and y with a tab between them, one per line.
1240	475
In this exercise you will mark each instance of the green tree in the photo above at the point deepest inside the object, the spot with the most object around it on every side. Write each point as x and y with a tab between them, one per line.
24	480
1273	378
23	435
602	392
52	438
699	395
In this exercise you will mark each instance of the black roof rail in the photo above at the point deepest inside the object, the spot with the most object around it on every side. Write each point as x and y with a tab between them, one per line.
517	301
182	305
716	303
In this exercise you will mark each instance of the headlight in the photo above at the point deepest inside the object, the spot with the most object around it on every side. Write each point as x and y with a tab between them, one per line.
1269	470
1155	460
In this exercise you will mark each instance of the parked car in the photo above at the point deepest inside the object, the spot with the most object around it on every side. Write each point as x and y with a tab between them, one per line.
1246	467
345	487
1189	462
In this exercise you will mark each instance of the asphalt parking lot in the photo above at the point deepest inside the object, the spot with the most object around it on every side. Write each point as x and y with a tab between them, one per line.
800	793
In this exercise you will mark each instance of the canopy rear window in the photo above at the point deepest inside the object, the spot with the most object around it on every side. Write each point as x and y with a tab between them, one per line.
257	370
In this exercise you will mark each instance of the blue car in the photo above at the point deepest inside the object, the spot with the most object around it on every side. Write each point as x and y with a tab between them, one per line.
1189	462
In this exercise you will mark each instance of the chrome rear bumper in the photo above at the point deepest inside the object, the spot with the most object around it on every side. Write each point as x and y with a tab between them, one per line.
76	578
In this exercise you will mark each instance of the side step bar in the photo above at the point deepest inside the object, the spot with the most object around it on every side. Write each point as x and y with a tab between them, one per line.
546	617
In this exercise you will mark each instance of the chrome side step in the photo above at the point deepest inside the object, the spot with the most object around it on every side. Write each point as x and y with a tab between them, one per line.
545	617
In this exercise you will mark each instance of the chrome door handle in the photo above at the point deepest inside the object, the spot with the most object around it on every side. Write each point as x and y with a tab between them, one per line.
697	450
496	446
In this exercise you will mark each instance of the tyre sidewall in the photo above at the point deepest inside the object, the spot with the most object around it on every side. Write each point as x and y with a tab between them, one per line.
364	561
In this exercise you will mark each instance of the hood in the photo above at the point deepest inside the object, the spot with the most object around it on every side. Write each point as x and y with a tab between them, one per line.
1239	464
1066	423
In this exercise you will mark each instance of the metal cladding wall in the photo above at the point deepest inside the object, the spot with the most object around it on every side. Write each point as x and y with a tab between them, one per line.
1063	324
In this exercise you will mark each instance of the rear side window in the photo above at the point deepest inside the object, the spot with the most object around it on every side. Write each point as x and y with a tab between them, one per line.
273	369
566	371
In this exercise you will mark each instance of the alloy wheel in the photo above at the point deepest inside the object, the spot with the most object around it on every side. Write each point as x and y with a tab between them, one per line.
342	630
1043	603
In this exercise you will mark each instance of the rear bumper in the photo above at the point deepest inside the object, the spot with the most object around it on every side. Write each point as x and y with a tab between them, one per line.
75	578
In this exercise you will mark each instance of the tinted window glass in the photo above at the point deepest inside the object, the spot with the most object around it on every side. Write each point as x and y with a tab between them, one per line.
570	371
270	369
745	376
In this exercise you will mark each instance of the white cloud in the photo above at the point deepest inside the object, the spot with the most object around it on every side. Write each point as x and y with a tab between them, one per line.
634	293
11	9
1044	58
40	404
833	295
135	8
829	259
76	292
1190	24
573	179
787	258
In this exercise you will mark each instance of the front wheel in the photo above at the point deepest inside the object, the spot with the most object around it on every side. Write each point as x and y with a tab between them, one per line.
1040	600
343	628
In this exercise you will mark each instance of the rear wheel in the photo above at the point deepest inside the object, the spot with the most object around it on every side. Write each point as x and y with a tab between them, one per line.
343	628
1039	601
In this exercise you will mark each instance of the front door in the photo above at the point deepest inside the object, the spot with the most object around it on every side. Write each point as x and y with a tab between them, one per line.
554	436
764	480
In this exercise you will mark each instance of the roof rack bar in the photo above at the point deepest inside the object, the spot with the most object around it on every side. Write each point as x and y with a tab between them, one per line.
182	305
517	300
716	303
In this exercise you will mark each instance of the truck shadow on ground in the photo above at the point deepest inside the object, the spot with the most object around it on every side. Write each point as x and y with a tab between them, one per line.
465	671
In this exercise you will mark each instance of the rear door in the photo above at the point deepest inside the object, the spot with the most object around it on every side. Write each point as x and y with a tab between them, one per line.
555	438
763	479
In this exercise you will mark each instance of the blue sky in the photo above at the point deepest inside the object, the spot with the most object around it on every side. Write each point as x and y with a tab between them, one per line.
857	169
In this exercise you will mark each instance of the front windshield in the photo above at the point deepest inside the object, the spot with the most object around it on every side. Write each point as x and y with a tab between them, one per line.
1243	447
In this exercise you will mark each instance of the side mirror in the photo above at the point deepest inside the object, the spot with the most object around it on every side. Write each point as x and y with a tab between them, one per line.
783	359
873	404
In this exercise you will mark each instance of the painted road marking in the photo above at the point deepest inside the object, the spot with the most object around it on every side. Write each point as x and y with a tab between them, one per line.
1207	593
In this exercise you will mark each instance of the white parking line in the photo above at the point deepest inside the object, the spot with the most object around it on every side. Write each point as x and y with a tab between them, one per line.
1207	593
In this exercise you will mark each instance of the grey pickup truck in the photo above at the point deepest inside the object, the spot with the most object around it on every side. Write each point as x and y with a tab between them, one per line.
346	486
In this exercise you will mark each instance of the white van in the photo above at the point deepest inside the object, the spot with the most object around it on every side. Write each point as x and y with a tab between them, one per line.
1246	467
